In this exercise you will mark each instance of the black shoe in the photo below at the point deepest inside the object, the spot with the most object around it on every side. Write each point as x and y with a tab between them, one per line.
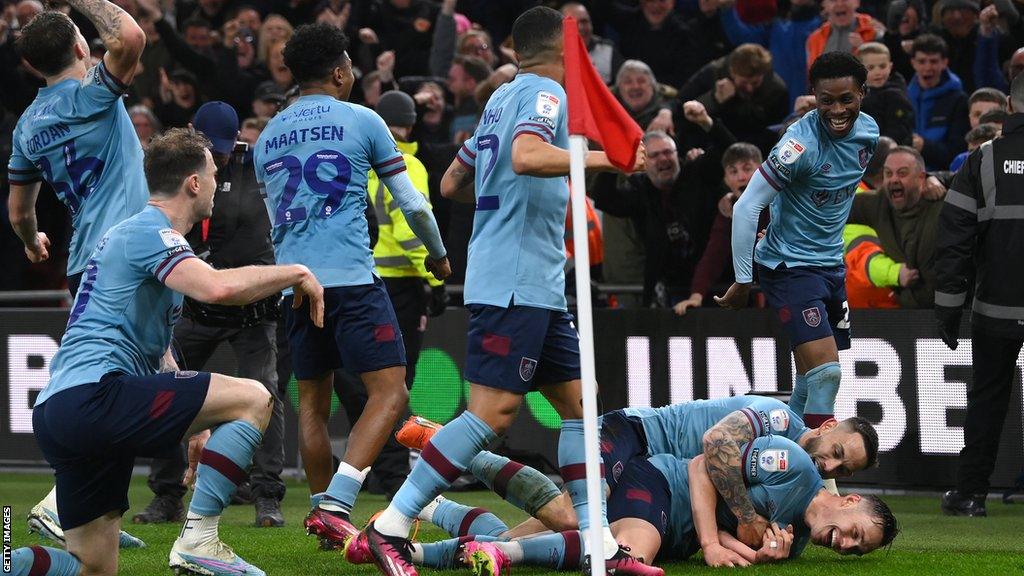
242	495
161	509
956	504
268	513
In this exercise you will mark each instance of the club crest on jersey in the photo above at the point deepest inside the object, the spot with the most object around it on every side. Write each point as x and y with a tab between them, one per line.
779	420
863	156
791	150
812	317
527	367
617	470
774	460
820	197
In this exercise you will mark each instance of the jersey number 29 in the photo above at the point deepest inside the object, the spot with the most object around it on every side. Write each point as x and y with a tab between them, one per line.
332	189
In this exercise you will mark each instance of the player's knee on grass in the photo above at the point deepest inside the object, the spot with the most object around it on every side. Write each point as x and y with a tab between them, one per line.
558	514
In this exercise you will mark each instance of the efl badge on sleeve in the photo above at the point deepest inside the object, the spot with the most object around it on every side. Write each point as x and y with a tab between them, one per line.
779	419
527	367
791	150
774	460
811	316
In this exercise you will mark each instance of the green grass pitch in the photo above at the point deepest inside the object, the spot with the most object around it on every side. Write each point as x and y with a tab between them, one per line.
930	543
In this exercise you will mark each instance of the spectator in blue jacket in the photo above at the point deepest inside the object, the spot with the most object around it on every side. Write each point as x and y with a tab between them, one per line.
785	38
940	105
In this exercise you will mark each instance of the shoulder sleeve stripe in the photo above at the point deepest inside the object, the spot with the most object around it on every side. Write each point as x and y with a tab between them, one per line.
538	125
744	464
464	162
465	150
24	180
771	181
170	263
393	171
532	132
394	160
775	172
110	81
755	421
25	172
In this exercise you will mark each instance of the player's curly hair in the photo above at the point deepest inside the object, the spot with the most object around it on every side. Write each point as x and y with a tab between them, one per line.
882	515
314	51
832	65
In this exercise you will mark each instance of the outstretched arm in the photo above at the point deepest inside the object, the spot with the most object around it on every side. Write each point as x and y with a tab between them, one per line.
724	466
121	36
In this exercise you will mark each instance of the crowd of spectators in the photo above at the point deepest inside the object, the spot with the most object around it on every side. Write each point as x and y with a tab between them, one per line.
713	83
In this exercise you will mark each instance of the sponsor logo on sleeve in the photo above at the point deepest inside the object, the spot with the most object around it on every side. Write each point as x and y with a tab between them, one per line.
172	238
548	105
791	151
752	470
778	166
780	420
774	460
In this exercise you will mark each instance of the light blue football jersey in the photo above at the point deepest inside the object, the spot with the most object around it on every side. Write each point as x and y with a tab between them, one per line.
680	539
678	429
79	138
123	314
816	176
517	250
313	159
782	480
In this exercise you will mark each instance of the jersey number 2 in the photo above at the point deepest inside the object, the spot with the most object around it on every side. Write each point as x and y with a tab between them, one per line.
333	189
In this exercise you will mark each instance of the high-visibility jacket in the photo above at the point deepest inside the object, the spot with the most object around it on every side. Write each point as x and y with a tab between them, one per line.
817	40
870	273
399	253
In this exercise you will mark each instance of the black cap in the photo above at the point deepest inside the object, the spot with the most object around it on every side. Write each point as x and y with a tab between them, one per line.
397	108
960	4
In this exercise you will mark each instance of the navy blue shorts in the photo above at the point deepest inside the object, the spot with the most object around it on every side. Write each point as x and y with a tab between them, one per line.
810	302
521	347
622	440
360	332
642	493
91	434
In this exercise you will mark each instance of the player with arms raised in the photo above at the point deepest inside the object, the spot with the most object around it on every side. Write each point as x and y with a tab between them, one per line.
520	335
314	158
77	136
808	180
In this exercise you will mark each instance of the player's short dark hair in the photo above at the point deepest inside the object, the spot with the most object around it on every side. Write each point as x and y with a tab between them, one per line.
536	31
832	65
172	157
929	44
314	51
882	515
47	42
867	431
741	152
475	67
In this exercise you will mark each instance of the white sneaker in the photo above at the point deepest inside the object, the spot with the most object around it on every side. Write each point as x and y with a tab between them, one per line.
212	558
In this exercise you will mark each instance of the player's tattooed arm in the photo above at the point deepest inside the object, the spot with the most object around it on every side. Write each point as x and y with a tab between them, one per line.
167	363
121	35
458	183
724	463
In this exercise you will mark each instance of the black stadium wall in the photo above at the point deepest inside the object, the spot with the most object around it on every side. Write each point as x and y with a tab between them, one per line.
898	374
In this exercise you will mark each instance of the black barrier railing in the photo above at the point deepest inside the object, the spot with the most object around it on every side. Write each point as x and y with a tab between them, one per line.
898	374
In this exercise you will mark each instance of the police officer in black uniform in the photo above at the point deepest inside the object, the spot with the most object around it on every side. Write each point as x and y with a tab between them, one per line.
981	238
238	234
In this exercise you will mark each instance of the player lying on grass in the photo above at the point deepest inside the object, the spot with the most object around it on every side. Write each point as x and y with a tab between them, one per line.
715	428
667	507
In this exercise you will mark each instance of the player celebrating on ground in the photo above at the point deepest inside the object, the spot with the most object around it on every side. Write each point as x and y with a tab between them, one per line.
314	158
809	180
520	334
77	136
106	403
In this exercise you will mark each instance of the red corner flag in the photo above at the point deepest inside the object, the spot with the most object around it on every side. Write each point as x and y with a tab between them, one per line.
593	110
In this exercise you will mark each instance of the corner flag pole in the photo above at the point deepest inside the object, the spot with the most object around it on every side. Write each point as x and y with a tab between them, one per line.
585	323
